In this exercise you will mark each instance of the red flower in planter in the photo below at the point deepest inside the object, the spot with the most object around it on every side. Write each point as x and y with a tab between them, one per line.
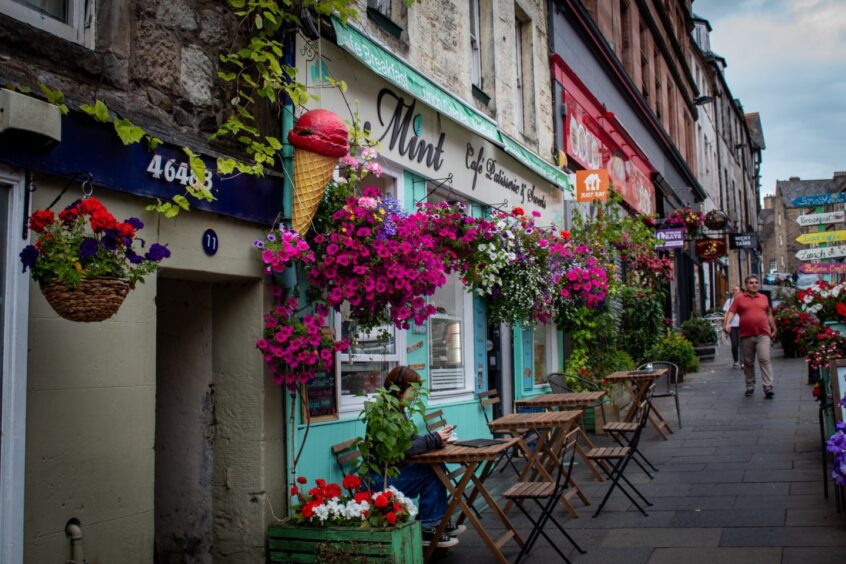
40	220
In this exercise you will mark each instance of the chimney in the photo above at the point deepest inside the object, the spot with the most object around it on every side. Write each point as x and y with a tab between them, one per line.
795	179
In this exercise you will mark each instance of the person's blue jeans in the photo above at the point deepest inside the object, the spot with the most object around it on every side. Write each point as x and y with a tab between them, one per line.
420	480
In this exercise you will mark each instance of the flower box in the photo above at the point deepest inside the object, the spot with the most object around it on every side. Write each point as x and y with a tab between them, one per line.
296	543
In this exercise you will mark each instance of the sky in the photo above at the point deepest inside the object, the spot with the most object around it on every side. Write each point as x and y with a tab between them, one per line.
787	60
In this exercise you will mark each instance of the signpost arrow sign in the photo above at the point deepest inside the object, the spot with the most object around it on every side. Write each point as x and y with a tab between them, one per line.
821	237
821	218
819	200
823	268
822	253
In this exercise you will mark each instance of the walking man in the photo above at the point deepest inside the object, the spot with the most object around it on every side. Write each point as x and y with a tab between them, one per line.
734	334
757	329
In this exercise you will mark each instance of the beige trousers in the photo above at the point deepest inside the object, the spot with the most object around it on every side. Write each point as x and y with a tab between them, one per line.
757	346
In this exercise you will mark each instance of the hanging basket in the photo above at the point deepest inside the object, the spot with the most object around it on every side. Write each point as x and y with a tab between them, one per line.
97	299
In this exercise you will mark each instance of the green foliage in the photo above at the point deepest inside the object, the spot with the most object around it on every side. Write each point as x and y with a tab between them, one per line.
641	320
389	429
699	331
673	347
128	132
55	97
98	111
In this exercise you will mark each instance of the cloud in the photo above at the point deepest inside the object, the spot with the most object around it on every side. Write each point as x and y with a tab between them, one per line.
787	60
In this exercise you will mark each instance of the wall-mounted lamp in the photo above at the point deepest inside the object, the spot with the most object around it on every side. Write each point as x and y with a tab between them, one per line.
701	100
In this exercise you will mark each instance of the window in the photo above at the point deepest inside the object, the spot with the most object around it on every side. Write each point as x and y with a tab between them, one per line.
544	348
69	19
475	45
523	52
772	265
389	15
626	36
645	79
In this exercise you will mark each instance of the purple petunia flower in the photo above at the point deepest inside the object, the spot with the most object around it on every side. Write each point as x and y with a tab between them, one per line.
258	243
88	248
135	223
134	258
29	255
157	252
110	243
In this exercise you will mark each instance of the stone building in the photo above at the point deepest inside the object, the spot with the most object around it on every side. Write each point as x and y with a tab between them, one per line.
155	428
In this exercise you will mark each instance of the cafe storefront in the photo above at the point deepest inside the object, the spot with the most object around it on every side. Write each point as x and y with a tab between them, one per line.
432	147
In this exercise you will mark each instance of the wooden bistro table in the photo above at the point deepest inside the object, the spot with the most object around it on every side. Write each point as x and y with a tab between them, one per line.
637	384
569	400
471	458
552	428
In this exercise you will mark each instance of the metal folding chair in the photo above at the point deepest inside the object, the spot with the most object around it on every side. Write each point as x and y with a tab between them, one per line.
546	495
618	458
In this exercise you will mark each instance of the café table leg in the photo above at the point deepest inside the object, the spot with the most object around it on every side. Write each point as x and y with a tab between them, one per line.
658	422
583	455
457	493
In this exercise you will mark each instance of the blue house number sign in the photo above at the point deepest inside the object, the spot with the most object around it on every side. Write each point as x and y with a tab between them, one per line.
210	242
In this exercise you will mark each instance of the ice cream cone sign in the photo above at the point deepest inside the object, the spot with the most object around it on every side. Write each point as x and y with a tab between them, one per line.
320	139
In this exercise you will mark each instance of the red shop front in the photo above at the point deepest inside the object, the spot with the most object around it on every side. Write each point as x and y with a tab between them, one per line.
594	139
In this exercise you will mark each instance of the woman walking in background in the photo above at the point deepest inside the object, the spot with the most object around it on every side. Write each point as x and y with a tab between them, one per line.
734	334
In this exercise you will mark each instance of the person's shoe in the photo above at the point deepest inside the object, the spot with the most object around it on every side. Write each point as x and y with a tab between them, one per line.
735	365
741	365
769	394
749	393
453	530
445	541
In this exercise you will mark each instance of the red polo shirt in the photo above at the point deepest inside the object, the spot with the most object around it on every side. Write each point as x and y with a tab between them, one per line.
753	312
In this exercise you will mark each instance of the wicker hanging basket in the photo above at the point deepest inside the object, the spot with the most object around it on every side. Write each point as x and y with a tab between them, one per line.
97	299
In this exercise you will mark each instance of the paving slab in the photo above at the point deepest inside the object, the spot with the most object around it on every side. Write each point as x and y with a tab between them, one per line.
662	537
712	555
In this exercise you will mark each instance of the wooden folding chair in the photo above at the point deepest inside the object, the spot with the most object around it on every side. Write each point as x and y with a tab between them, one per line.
490	398
545	494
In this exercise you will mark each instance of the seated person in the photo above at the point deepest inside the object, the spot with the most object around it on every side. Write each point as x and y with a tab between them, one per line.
420	479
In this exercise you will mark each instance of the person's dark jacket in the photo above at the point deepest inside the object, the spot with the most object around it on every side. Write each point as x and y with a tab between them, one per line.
424	443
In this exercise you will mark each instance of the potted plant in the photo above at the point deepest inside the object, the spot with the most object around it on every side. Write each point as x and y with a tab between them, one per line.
86	261
701	333
673	347
346	523
692	221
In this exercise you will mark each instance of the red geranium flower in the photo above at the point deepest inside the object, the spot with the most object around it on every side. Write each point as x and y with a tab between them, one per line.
102	220
294	490
518	211
381	501
361	496
351	482
841	309
565	235
40	220
332	491
391	518
302	480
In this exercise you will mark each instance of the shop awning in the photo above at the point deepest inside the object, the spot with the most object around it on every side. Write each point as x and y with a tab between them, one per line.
393	69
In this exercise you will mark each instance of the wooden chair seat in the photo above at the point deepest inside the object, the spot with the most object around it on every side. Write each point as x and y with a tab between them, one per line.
608	452
620	427
528	490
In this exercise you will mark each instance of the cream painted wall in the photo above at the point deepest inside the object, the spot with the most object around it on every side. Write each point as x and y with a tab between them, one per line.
91	404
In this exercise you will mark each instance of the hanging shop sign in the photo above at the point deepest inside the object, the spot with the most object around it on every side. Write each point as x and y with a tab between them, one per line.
447	153
822	237
672	238
819	200
591	185
710	249
716	220
822	268
822	253
743	241
807	219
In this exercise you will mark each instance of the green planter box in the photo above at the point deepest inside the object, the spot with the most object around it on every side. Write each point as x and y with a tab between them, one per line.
398	545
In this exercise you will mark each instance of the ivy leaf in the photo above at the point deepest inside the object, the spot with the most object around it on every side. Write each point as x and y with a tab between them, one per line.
225	166
153	142
227	76
128	132
98	111
274	142
198	167
182	202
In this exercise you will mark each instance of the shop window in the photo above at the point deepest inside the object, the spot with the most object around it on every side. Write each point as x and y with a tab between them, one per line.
69	19
544	353
389	15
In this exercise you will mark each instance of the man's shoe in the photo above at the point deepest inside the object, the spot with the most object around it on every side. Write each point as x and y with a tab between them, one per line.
769	394
445	541
453	530
749	393
735	365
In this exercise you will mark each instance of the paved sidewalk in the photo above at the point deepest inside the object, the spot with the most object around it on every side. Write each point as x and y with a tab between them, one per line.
741	482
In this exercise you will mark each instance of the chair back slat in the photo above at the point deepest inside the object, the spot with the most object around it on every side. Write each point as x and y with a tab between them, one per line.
435	420
489	397
347	456
487	402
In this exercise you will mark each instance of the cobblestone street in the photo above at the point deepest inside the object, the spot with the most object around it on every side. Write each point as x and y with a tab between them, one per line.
741	482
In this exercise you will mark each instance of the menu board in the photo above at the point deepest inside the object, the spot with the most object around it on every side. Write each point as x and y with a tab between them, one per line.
321	398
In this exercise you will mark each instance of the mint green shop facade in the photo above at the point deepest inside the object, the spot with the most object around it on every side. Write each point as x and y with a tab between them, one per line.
433	147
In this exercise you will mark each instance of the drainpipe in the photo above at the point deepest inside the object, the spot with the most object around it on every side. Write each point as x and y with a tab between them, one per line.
73	530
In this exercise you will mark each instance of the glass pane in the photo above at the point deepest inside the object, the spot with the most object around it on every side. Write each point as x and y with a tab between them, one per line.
363	377
449	298
377	341
446	344
540	336
55	8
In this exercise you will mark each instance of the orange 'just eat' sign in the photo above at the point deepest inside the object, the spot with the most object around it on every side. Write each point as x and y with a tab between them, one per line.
591	185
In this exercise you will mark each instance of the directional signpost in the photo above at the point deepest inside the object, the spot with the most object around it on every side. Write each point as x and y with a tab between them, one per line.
821	237
823	268
819	200
821	218
822	253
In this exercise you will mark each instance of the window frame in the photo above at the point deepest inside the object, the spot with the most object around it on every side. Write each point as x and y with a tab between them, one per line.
15	313
475	43
551	360
75	30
